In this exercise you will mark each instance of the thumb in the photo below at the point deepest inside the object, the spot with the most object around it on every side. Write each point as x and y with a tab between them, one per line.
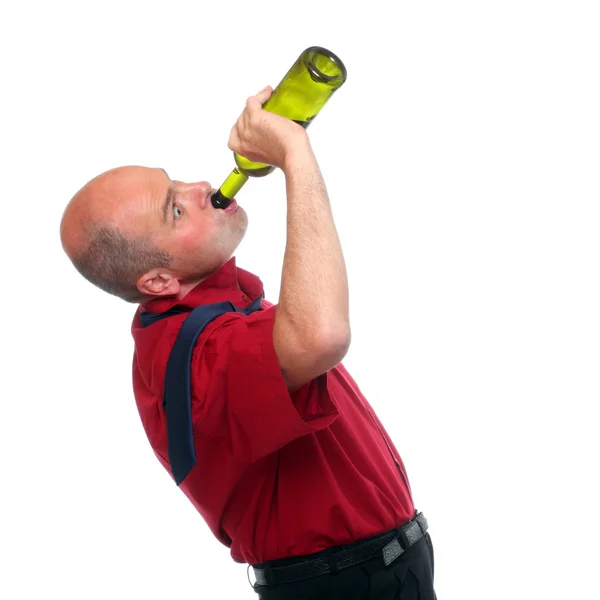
264	94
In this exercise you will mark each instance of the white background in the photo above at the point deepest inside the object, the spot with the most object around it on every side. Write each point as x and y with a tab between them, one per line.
462	162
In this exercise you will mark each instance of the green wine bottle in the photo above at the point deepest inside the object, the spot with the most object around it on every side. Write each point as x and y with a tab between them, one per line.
300	95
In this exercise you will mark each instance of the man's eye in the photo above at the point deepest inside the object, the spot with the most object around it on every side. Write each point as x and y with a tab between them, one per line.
177	212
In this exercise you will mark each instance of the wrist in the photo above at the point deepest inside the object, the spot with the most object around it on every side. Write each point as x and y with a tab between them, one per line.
298	154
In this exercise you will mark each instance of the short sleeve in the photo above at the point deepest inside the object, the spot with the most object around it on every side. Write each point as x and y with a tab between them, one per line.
239	393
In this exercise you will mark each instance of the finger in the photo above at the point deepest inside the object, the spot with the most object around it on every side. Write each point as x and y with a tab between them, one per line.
255	102
244	123
240	128
267	90
234	138
264	94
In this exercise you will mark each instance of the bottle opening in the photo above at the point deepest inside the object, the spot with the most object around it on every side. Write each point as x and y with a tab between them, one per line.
325	66
219	200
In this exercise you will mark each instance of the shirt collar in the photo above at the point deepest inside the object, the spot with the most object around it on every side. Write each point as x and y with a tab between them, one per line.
228	282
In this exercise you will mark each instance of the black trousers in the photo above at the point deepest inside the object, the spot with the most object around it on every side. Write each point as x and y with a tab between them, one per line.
409	577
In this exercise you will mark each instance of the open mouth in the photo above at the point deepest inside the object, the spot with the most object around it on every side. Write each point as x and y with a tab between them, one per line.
218	200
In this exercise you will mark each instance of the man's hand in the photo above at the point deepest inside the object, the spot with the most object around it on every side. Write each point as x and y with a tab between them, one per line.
262	136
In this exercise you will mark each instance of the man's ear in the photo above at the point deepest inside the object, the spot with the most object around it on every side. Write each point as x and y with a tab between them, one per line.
158	283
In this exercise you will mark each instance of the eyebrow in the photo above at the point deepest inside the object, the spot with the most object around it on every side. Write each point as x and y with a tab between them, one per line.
168	200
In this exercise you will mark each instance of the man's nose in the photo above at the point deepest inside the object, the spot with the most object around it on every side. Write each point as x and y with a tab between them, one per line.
199	191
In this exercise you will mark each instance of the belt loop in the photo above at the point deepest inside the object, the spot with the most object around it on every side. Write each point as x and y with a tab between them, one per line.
403	538
419	524
253	585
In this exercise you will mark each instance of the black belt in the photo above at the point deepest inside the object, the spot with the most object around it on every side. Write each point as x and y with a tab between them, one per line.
391	545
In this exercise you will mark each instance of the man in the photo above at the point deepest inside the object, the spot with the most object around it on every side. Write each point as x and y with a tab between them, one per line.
288	465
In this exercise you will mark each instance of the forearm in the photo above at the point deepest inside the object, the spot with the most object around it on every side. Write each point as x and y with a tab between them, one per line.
313	297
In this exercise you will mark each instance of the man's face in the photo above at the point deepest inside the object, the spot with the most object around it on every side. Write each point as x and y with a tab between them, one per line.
180	219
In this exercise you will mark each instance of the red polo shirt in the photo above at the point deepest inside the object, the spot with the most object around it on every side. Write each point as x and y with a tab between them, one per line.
277	474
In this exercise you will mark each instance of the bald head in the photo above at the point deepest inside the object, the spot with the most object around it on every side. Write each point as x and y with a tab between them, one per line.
102	237
98	203
137	234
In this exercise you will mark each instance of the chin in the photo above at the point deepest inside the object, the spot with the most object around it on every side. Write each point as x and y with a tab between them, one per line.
241	231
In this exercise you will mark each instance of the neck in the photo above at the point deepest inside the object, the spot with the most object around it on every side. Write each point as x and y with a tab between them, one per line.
187	287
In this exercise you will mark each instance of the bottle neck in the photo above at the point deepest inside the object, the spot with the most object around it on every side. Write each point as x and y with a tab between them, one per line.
227	192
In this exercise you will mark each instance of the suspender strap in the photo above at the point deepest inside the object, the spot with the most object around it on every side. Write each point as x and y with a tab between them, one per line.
177	390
